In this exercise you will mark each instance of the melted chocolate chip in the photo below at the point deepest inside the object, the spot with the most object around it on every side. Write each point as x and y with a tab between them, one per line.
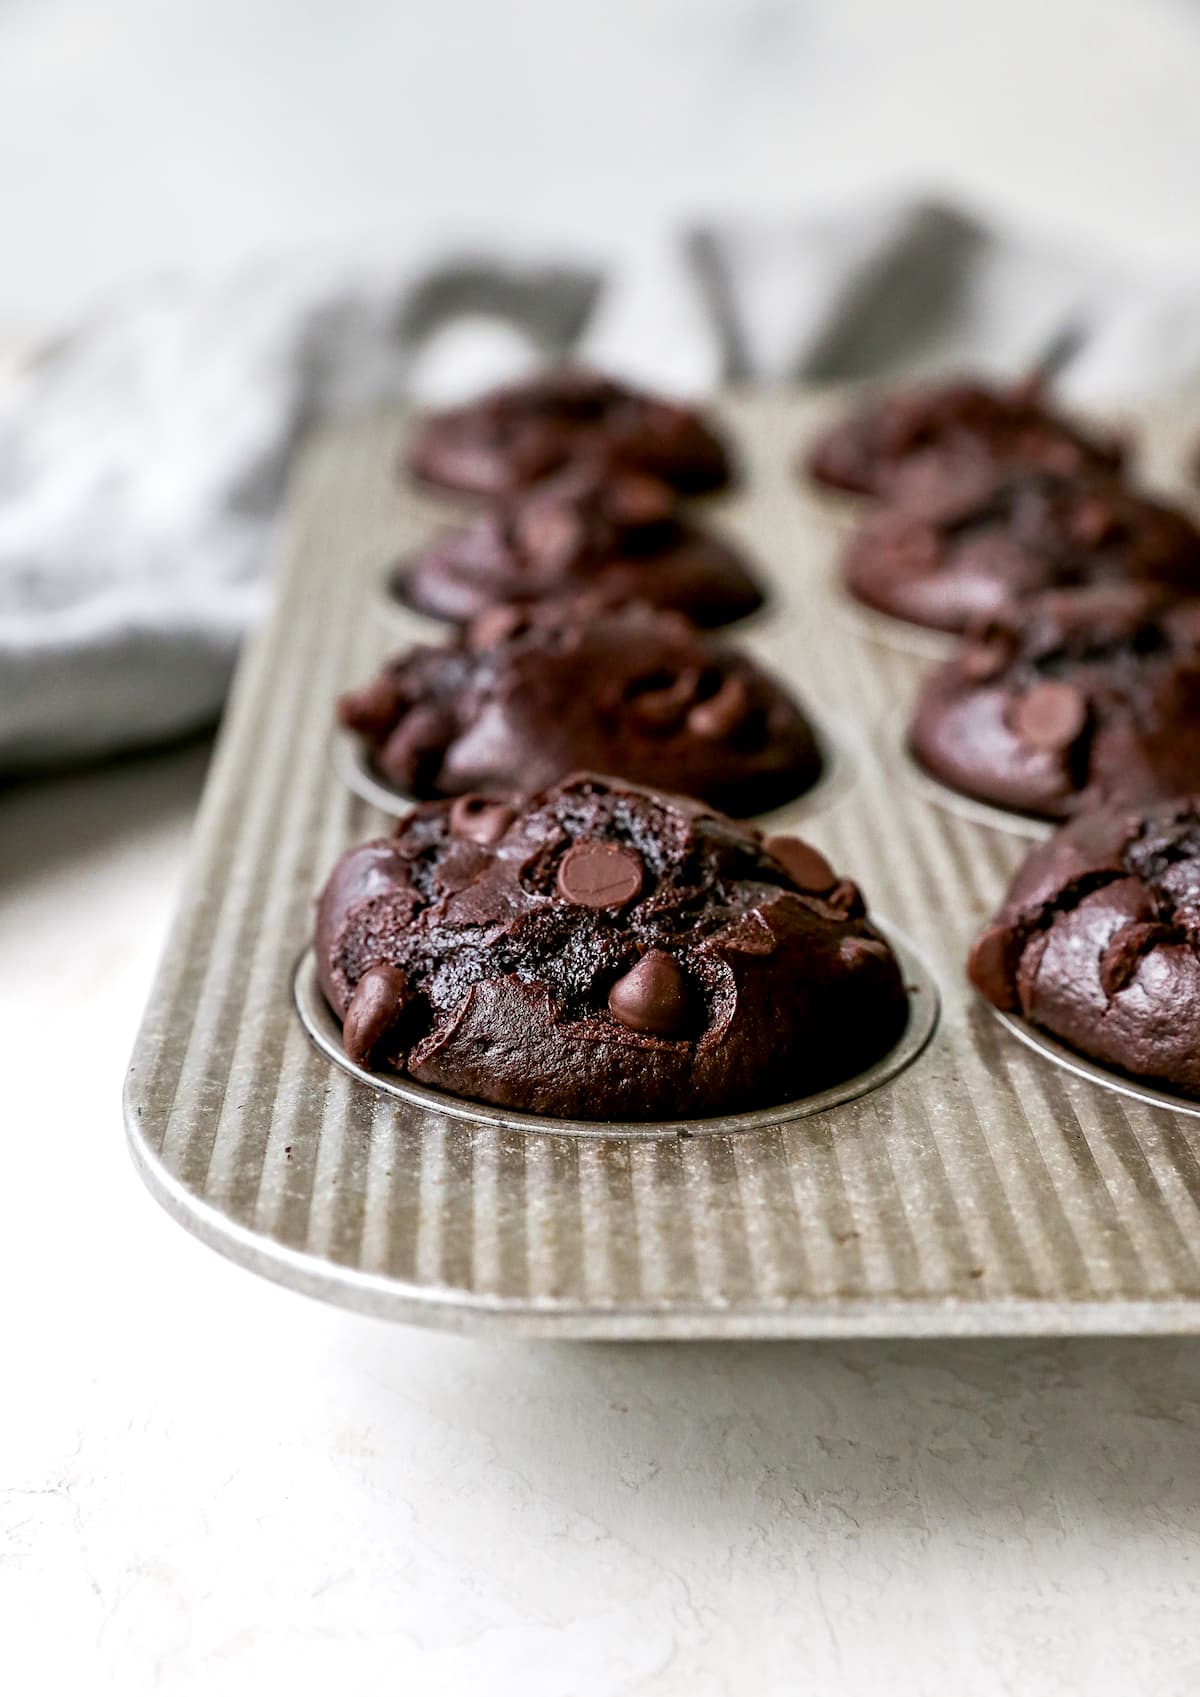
479	819
1050	716
414	750
720	716
662	708
861	951
845	900
375	1009
1093	522
806	866
550	534
372	710
980	661
652	996
636	503
1120	960
989	965
496	624
599	874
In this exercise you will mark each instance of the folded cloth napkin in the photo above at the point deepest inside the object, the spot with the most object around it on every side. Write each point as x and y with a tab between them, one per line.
143	457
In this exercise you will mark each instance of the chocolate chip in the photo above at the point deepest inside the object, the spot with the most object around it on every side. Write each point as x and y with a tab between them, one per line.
989	966
536	449
1120	960
413	752
635	503
375	1008
598	874
652	996
846	900
549	533
659	709
1093	522
373	709
980	661
858	951
479	819
805	865
1028	967
496	624
722	713
665	418
1050	715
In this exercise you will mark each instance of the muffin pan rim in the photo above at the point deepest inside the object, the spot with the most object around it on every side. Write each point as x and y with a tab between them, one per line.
1061	1054
396	613
930	646
835	737
915	778
924	1013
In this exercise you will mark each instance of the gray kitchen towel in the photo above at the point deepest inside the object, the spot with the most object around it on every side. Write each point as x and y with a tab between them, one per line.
143	457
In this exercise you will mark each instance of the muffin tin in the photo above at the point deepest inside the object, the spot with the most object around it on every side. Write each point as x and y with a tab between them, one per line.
967	1185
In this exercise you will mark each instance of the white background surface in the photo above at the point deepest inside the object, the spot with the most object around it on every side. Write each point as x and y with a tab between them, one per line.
208	1485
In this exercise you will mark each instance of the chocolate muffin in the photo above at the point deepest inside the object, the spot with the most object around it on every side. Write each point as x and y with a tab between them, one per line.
524	695
929	441
1098	941
1067	700
521	433
1017	533
604	952
621	533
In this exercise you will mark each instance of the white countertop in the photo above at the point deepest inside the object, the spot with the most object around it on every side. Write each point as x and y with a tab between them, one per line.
208	1484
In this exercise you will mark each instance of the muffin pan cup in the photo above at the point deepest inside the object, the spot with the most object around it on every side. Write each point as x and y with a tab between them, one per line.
325	1030
835	741
919	641
923	783
967	1186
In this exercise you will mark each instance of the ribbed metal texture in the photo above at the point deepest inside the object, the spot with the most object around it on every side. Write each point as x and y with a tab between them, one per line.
983	1190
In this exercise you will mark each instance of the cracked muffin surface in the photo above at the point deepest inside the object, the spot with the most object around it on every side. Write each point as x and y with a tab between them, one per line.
928	441
621	534
517	434
525	695
604	952
1015	533
1098	941
1067	700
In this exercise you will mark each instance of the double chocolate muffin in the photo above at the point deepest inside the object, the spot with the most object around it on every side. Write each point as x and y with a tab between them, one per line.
1098	941
928	441
620	533
518	434
1018	532
603	952
1068	700
524	695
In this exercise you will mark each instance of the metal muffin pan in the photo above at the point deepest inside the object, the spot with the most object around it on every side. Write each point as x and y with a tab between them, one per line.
980	1189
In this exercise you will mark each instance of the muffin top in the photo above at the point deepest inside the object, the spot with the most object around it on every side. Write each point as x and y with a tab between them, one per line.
1015	533
618	532
522	432
525	695
1067	700
928	441
602	951
1098	941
